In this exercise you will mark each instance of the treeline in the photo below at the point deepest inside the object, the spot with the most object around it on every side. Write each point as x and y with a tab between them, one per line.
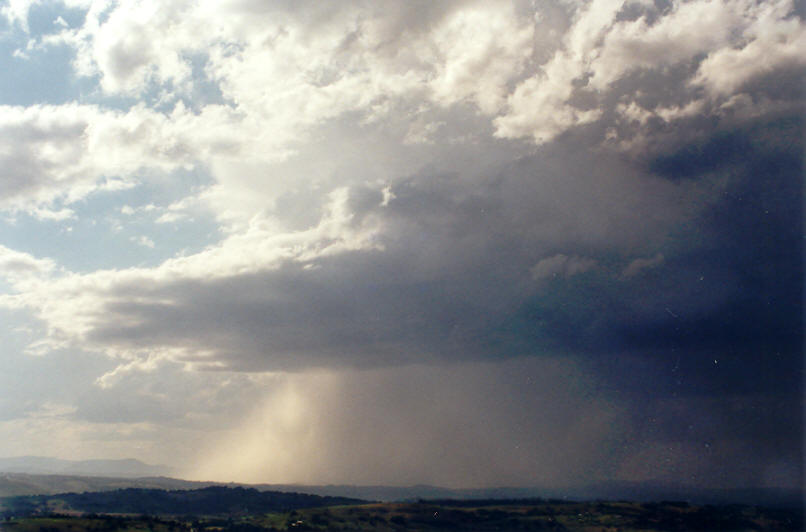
206	501
475	503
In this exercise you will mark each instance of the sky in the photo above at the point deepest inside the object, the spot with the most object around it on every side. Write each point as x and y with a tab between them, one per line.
462	243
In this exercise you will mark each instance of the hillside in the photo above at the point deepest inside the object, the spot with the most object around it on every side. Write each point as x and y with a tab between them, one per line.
14	484
213	500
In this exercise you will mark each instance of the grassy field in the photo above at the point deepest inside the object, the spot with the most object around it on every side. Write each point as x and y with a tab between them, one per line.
449	515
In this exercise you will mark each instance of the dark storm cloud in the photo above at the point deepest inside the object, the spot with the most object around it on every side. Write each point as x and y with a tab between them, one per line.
456	278
454	281
738	274
652	242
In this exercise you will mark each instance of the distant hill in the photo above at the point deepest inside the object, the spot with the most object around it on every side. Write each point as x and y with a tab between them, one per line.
40	465
26	484
628	491
12	484
213	500
410	493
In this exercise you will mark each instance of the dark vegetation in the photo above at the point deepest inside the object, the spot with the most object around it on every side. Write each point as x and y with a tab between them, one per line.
212	500
241	509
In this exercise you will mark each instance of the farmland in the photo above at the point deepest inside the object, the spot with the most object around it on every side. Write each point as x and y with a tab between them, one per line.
247	510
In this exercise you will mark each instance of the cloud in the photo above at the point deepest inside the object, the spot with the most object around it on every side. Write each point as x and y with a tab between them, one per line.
21	268
371	59
539	106
424	269
389	181
177	210
43	213
420	260
482	49
16	12
282	73
239	257
64	153
608	53
121	43
562	265
638	265
143	241
350	63
421	133
772	41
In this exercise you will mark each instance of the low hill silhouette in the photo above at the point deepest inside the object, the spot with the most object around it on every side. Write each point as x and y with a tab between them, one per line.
213	500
